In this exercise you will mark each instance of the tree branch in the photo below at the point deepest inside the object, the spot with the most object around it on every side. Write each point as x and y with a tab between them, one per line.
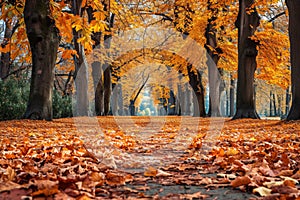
276	16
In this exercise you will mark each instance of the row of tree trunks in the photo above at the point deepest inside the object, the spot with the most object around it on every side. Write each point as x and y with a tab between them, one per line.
43	37
101	72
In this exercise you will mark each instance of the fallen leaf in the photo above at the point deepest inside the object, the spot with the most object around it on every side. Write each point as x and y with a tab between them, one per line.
197	195
45	187
162	173
229	176
115	179
232	151
271	184
9	185
296	175
283	189
151	171
239	181
262	191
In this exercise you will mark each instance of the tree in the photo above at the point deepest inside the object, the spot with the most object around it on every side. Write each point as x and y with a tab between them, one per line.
10	25
294	33
213	52
247	22
81	66
134	98
44	40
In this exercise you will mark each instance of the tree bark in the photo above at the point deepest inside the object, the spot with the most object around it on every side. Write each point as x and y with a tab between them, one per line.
213	52
81	69
98	87
134	98
5	57
106	67
107	89
171	104
120	100
287	101
82	84
294	33
178	100
247	22
196	83
231	93
44	40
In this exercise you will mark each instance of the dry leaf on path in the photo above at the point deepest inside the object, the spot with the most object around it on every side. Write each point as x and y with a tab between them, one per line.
239	181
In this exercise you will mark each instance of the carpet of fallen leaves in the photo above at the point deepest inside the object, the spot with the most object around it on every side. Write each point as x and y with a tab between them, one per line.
249	159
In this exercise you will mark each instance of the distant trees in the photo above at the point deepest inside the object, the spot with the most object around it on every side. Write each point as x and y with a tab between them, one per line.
87	27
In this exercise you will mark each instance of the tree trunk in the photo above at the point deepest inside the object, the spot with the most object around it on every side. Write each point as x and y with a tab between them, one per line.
294	33
213	57
98	87
171	104
107	88
44	40
120	100
232	88
274	104
132	108
80	75
247	22
287	101
196	83
5	57
106	67
178	100
82	84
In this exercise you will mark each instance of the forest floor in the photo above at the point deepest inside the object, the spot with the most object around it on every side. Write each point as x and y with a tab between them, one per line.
149	158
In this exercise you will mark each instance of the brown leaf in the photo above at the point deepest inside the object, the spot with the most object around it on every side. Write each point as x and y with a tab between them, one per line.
9	185
296	175
114	179
151	171
197	195
285	159
283	189
10	173
285	173
45	187
289	183
239	181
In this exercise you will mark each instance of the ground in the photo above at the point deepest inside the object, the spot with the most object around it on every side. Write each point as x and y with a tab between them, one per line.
149	158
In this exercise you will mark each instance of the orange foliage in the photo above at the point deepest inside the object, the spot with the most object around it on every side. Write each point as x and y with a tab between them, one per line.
51	159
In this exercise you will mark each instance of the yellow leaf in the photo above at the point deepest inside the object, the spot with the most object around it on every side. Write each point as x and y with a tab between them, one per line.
232	151
262	191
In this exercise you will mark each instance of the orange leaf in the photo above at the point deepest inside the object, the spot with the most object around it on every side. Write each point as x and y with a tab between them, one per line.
239	181
151	171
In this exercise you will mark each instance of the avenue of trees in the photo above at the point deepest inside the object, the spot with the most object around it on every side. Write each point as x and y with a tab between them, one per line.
118	57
